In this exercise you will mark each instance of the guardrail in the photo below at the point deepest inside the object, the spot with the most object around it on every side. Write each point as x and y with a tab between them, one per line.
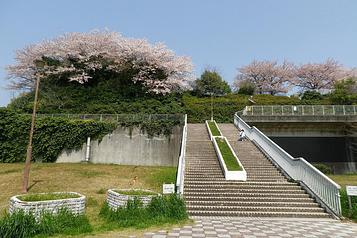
181	163
300	110
116	117
326	191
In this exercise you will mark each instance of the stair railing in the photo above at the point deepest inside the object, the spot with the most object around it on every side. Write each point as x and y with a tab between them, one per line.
181	162
325	191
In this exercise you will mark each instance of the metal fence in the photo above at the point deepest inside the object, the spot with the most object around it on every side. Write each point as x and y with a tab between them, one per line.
117	117
300	110
322	187
181	162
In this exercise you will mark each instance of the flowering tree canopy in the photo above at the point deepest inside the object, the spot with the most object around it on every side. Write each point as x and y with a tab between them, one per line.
319	76
267	76
80	56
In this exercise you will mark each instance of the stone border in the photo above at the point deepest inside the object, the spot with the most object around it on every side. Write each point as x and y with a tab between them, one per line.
116	200
74	205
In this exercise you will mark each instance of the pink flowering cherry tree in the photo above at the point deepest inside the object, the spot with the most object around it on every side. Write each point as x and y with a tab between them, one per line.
268	76
78	56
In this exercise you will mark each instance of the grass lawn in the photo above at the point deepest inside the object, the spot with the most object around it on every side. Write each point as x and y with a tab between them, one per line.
344	179
214	129
88	179
228	157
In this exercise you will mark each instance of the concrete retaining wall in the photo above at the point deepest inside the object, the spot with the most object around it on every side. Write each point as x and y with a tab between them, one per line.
125	148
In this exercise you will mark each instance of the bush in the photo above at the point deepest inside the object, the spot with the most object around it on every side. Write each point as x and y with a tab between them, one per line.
311	95
345	92
246	88
21	225
326	169
345	207
161	210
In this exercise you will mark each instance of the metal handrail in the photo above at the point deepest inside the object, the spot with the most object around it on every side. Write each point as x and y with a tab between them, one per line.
181	163
322	187
114	117
300	110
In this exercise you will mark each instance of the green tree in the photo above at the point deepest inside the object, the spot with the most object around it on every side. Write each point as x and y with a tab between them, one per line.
345	92
211	82
246	88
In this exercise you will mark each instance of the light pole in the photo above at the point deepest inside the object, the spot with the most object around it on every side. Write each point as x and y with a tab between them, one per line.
211	106
29	147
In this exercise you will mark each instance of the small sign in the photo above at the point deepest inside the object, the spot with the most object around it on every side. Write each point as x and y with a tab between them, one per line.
351	190
168	188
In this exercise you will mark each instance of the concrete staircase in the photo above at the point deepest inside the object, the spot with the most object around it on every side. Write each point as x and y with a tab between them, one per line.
266	193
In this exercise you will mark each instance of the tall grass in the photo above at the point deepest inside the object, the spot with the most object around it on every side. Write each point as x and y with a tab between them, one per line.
161	210
22	225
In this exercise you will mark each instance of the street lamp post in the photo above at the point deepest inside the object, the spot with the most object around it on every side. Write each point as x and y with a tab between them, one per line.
29	147
211	106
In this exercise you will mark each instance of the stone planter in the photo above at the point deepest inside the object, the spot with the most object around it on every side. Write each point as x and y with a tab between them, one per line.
74	205
229	174
115	199
211	136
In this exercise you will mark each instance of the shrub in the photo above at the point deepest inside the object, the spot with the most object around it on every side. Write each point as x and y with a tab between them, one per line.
21	225
161	210
345	92
326	169
345	207
311	95
246	88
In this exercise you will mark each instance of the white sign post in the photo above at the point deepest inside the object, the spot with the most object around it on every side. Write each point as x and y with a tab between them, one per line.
168	188
351	191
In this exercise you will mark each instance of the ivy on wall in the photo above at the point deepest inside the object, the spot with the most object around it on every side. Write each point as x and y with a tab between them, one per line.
56	134
51	137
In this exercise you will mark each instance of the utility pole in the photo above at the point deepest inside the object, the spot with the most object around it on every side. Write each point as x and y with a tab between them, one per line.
211	106
29	147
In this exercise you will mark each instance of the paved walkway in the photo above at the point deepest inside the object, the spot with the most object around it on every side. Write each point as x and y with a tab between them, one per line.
262	228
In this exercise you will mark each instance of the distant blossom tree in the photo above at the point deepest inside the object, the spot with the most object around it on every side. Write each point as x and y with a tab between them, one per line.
79	56
319	76
267	76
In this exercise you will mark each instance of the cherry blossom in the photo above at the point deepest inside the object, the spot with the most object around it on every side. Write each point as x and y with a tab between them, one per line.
77	56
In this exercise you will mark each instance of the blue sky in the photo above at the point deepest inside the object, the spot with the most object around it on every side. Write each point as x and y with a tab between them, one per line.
225	34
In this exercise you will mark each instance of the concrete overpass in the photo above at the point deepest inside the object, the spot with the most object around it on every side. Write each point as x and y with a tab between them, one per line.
319	133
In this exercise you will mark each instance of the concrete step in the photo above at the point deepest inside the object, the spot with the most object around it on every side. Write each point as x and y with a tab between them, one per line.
273	180
251	199
260	214
256	194
243	190
253	208
252	203
227	182
242	186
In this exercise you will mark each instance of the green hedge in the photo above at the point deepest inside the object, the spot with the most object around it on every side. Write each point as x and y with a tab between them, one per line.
51	137
101	101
